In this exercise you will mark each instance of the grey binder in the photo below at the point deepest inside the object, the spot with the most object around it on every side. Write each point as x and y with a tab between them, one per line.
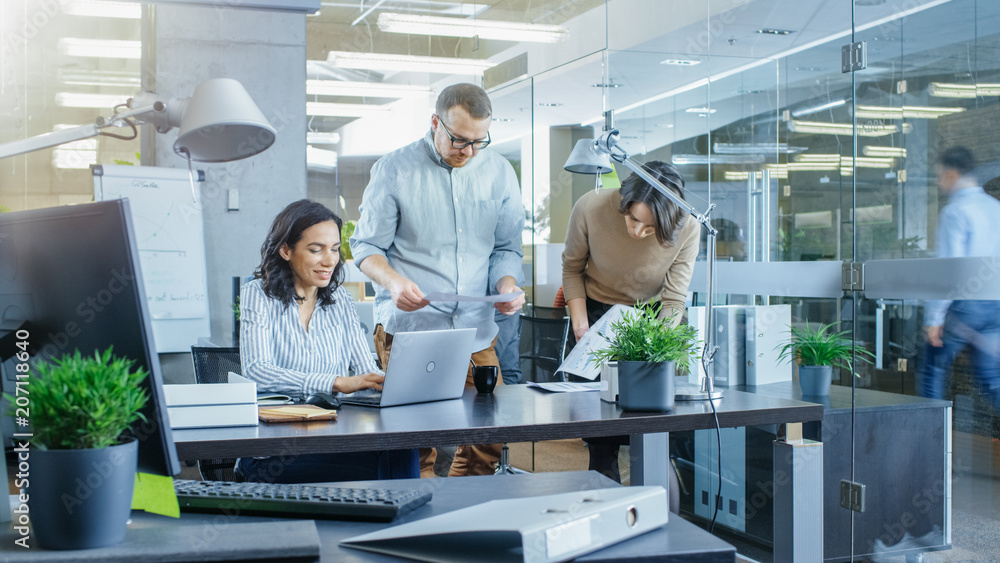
534	529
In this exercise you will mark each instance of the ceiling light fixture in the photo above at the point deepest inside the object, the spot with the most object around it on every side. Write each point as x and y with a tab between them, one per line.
753	148
818	108
122	10
322	137
82	100
864	129
700	110
873	150
324	109
949	90
403	63
680	62
320	158
681	159
462	27
99	48
112	78
911	112
363	89
770	31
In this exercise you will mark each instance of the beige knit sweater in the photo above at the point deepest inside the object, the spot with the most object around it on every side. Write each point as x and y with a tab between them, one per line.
603	262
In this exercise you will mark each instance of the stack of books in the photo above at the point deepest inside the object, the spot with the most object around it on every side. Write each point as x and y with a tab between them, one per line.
212	405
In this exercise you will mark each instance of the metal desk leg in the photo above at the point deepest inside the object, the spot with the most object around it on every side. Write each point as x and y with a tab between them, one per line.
649	455
798	497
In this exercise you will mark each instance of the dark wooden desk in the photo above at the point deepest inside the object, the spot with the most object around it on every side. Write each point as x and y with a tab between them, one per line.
514	413
679	541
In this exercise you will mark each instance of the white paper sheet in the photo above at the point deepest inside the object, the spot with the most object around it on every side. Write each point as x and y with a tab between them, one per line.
453	297
580	360
565	386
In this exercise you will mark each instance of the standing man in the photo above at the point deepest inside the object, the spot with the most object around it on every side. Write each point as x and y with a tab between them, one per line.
442	214
969	225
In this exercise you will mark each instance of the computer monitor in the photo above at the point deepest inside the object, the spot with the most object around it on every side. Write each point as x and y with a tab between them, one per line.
70	277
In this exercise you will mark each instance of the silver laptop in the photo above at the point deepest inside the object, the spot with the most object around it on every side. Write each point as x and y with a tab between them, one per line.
424	366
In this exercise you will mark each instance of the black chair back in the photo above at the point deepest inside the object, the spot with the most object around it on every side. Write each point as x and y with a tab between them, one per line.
212	365
543	347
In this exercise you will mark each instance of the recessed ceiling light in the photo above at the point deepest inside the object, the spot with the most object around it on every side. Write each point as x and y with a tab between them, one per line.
606	85
503	119
549	104
664	125
680	62
769	31
701	111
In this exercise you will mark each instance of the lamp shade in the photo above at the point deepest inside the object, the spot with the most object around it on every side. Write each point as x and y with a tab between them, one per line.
221	123
586	160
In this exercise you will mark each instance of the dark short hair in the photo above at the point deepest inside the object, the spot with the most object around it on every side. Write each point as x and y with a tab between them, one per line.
667	215
286	229
472	98
959	159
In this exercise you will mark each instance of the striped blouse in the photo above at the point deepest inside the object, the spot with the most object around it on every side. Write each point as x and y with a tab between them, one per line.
282	357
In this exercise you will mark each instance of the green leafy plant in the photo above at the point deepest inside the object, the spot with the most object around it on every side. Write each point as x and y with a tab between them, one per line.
345	237
639	336
812	346
82	402
4	208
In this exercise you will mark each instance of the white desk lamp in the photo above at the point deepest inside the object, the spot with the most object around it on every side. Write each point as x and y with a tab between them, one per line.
218	123
594	157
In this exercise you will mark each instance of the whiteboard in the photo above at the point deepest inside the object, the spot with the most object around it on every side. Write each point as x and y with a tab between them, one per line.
166	216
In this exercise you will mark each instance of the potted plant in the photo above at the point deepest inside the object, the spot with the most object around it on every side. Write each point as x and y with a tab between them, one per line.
648	351
82	462
817	352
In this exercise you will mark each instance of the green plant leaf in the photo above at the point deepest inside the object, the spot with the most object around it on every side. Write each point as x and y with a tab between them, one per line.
82	402
643	337
817	347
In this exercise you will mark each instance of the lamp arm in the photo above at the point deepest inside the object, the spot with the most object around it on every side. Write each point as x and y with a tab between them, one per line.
47	140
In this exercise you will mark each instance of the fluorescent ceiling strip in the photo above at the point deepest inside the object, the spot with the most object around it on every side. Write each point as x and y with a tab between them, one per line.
363	89
816	109
899	14
122	79
98	101
867	162
100	48
912	112
949	90
836	160
873	150
463	27
817	157
753	148
94	8
343	110
717	158
403	63
322	138
864	129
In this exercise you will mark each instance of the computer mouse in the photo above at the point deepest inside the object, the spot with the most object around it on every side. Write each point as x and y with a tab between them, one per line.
323	401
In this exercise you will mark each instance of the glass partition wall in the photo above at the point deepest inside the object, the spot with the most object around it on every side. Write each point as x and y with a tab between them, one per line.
810	169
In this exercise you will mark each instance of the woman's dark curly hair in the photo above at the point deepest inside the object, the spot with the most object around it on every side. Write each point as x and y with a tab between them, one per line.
287	229
667	214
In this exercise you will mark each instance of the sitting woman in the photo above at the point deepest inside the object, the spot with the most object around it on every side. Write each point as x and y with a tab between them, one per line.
300	335
623	246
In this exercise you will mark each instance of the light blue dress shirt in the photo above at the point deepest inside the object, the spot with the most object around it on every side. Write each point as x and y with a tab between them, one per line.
969	225
451	230
282	357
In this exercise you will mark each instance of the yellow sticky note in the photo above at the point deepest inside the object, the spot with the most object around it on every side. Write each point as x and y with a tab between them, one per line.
610	180
155	494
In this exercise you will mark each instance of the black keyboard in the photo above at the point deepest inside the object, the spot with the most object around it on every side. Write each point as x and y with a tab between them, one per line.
313	501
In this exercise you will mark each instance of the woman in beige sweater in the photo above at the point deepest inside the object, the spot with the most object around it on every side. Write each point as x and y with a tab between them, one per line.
623	246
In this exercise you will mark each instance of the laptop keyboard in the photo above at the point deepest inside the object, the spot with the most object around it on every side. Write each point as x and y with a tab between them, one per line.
364	396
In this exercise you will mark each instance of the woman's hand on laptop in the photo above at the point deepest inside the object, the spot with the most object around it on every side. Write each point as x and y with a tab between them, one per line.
358	382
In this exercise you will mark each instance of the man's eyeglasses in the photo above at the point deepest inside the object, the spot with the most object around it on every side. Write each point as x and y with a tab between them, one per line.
462	143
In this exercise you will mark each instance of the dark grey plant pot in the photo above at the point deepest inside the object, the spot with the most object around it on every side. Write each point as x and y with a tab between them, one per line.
645	386
815	380
81	499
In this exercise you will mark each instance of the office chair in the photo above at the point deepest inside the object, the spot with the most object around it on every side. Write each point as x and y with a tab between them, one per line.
548	312
212	365
542	348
